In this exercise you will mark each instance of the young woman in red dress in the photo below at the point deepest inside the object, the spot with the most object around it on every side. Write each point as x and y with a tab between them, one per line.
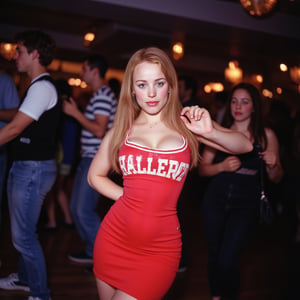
153	143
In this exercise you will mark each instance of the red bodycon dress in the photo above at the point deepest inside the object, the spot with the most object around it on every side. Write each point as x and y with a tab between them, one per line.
138	246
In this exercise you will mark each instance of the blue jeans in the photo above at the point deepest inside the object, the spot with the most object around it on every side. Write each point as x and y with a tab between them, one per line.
84	203
229	219
28	184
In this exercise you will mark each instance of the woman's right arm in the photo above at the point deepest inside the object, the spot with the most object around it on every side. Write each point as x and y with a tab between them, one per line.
99	169
208	168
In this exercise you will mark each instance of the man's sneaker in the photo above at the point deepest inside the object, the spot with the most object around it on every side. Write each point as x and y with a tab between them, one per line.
81	258
13	283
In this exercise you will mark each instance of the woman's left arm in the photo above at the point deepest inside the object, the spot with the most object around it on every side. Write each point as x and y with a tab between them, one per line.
198	121
272	158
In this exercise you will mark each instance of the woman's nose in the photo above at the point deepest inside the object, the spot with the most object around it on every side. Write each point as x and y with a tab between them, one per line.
151	92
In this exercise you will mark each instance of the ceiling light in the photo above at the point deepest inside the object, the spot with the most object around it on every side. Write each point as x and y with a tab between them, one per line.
178	50
259	78
258	8
213	87
7	50
283	67
233	73
89	37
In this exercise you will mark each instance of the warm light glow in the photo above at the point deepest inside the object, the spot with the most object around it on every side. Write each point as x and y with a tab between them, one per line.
295	74
267	93
89	36
7	50
258	8
279	90
74	81
283	67
83	85
233	73
259	78
178	50
213	87
207	89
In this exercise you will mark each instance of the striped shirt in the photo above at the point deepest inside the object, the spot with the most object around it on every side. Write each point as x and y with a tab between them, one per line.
103	102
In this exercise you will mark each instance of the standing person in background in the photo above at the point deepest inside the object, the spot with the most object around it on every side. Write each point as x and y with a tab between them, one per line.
68	144
230	204
187	88
33	171
95	121
9	102
138	246
115	85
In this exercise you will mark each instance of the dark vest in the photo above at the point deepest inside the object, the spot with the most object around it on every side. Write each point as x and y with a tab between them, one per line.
39	140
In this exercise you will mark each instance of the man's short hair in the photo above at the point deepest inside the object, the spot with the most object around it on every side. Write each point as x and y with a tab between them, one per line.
40	41
99	62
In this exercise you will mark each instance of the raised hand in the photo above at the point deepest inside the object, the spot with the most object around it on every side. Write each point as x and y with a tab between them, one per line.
70	107
197	119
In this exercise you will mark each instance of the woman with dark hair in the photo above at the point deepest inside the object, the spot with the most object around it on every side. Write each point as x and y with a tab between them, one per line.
230	204
153	143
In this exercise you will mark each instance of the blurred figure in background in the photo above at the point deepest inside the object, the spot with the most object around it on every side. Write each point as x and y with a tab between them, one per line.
9	102
115	85
34	131
68	150
96	120
231	201
187	88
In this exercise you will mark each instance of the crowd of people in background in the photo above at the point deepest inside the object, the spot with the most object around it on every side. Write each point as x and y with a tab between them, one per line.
55	147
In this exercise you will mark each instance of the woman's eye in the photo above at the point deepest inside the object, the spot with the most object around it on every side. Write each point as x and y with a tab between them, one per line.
141	85
160	84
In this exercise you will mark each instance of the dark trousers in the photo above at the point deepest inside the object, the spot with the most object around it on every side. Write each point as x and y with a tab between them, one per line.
229	220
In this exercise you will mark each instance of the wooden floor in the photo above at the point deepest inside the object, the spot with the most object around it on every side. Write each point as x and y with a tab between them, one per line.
270	268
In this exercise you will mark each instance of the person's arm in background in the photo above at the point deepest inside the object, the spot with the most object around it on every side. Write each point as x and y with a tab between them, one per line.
97	127
208	168
15	127
6	115
271	157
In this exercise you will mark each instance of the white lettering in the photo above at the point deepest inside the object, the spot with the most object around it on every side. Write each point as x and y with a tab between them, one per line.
130	165
149	171
162	163
173	167
122	164
139	160
165	168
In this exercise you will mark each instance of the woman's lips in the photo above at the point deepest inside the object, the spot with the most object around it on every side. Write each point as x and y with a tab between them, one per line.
152	103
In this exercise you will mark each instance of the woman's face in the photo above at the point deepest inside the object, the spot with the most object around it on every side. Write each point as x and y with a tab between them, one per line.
241	105
150	87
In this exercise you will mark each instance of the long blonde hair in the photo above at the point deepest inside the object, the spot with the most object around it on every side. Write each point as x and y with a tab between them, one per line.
128	109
